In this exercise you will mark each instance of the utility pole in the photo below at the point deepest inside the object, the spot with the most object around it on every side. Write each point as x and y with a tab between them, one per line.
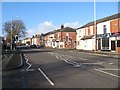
95	26
11	36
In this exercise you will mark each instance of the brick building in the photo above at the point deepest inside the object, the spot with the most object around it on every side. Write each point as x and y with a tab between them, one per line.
65	38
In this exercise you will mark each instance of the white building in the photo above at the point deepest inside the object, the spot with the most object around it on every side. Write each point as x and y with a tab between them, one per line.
85	40
106	35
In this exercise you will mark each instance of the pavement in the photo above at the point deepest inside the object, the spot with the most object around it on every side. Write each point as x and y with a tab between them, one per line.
11	59
103	53
98	53
48	68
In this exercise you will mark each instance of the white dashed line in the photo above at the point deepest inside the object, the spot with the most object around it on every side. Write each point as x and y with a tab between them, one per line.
46	77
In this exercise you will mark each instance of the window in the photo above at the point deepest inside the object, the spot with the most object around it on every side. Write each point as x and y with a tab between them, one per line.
91	30
79	32
86	32
118	43
104	29
78	42
67	37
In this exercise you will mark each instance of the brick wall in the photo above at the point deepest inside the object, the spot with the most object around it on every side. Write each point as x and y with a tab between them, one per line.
114	25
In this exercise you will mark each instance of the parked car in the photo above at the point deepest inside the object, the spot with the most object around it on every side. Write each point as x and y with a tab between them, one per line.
35	46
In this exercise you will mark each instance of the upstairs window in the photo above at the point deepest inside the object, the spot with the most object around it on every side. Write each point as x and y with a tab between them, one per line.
78	43
67	37
104	29
79	32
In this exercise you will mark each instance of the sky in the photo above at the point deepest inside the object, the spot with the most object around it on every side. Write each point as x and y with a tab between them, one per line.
42	17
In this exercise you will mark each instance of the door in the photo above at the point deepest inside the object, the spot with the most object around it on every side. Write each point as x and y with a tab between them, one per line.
113	45
99	44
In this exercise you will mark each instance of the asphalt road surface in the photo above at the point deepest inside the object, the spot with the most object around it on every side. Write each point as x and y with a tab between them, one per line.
49	68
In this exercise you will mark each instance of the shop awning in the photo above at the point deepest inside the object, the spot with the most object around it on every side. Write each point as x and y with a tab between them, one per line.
116	34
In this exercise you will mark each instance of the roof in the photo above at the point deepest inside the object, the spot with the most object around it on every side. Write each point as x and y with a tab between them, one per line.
115	16
52	32
66	29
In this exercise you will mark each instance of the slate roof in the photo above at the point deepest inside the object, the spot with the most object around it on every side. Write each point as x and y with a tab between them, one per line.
115	16
66	29
51	32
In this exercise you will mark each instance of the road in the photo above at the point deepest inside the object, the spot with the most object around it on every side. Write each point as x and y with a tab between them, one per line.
50	68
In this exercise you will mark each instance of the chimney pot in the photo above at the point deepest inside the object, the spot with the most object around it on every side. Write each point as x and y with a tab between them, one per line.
62	26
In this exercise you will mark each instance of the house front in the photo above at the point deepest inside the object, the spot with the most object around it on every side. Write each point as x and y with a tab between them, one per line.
35	40
26	41
65	38
48	39
85	37
103	36
115	34
108	34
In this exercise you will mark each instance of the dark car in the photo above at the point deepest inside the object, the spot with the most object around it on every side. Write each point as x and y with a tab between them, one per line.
35	46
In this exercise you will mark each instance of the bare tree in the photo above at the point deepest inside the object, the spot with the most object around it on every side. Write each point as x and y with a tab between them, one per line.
14	27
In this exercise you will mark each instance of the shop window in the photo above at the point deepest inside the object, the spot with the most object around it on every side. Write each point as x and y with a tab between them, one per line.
118	43
105	42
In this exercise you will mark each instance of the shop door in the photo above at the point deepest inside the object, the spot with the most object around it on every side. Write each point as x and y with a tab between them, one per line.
99	44
112	45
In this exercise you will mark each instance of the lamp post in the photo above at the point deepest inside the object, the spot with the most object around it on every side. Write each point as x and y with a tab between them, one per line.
95	27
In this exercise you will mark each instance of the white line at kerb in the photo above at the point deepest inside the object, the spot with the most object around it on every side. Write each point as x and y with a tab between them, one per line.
46	77
107	73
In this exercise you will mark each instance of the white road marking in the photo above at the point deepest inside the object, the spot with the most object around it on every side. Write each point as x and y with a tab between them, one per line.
95	54
46	77
67	61
92	63
66	58
110	63
28	68
83	58
107	73
109	69
72	62
70	51
57	57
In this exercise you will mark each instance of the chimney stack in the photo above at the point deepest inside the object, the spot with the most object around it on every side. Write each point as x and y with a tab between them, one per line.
62	26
